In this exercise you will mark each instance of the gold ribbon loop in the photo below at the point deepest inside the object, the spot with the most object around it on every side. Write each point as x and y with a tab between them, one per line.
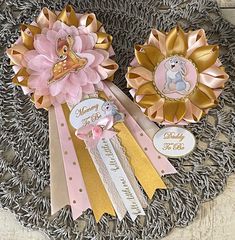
150	96
207	91
146	89
148	56
181	110
174	109
41	101
176	42
148	101
170	109
104	40
205	56
27	33
68	16
142	58
201	99
154	54
21	78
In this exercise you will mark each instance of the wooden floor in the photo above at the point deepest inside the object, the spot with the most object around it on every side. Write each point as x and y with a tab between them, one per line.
215	221
228	10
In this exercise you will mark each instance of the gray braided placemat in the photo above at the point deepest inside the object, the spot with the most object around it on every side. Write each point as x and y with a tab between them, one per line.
24	153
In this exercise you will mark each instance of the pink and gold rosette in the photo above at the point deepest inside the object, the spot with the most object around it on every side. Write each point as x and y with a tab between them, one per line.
61	59
57	60
51	50
197	64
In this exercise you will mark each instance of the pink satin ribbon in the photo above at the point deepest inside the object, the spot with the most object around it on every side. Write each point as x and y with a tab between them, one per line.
159	39
160	162
196	39
92	133
78	197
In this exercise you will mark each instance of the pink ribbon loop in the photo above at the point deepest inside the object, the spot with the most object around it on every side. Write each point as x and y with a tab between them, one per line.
92	133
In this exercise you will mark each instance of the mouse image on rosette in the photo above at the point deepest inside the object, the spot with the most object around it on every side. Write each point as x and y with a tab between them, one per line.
175	76
111	109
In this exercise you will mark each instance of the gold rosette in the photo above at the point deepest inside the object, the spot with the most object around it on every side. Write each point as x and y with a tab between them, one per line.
176	77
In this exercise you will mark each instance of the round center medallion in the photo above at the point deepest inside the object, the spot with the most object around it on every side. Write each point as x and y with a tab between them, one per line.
175	77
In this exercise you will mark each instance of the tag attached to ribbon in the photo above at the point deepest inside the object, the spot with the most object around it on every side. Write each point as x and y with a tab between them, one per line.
174	141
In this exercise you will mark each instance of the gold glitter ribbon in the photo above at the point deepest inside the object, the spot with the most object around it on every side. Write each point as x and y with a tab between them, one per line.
143	169
98	197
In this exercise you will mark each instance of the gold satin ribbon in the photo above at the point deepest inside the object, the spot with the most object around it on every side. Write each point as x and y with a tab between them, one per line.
176	42
27	33
68	16
205	56
148	56
22	73
174	109
143	169
98	197
104	40
150	96
41	101
203	97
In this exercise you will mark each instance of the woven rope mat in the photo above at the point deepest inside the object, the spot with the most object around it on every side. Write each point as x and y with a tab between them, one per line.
24	153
